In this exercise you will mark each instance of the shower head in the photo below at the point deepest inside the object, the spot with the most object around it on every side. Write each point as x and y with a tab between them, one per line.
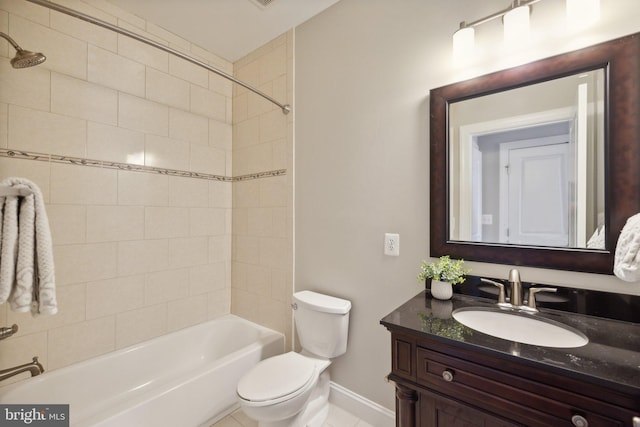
23	58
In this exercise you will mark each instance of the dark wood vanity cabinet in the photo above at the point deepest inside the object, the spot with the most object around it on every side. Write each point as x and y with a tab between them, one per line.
447	384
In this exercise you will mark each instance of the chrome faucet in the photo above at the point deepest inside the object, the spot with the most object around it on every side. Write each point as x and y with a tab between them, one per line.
515	300
516	287
34	367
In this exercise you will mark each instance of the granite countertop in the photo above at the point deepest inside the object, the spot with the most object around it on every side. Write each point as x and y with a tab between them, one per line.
611	358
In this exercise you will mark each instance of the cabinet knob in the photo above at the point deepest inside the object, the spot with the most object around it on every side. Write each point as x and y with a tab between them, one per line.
579	421
447	376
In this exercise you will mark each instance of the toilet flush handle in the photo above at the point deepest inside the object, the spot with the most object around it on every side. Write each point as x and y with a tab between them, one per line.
294	306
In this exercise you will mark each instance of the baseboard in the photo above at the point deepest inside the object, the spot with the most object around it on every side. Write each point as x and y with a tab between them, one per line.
363	408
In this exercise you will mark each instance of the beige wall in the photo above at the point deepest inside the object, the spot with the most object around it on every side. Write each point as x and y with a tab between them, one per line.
138	254
263	208
364	69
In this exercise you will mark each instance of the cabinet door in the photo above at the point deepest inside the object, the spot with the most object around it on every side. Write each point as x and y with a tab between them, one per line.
438	411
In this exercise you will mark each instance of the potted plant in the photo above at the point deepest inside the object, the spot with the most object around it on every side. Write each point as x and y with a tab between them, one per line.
443	274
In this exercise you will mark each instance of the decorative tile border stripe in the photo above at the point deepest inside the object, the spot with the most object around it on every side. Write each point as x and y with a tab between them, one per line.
78	161
259	175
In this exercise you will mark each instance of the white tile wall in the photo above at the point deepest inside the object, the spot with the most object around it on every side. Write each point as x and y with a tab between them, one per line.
141	324
175	41
165	222
80	341
142	189
137	254
195	193
106	68
85	262
143	115
94	35
208	160
189	127
166	153
188	71
167	89
68	223
164	286
143	53
113	296
188	251
44	132
263	209
142	256
114	223
4	124
186	311
30	89
83	185
112	143
209	103
78	98
220	135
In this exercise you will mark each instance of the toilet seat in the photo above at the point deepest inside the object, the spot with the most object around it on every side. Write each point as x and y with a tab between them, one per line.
277	379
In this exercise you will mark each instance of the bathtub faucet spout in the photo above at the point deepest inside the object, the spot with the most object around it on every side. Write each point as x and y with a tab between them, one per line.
34	367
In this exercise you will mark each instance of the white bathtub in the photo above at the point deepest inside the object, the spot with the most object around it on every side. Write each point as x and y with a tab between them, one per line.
186	378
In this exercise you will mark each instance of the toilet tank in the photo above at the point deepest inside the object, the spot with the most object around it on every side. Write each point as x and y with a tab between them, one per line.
322	322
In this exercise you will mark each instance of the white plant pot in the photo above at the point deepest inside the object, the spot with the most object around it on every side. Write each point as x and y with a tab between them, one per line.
441	290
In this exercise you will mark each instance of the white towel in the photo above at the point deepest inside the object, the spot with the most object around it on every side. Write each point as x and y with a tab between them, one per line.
597	240
627	257
27	267
9	249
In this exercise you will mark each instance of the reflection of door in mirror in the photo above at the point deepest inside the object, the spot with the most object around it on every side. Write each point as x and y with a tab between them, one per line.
529	175
534	192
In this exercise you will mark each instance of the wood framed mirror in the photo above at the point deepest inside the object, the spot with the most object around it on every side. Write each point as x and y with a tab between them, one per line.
561	208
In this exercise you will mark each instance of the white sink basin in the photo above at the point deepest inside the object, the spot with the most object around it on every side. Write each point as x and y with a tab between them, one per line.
520	327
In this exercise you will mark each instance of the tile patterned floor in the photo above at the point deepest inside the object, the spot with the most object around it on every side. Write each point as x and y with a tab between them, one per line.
337	418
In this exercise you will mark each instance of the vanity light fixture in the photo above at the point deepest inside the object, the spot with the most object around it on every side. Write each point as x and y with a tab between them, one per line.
463	42
516	25
580	14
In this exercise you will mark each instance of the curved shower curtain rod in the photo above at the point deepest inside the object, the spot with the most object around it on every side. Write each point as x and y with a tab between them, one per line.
284	107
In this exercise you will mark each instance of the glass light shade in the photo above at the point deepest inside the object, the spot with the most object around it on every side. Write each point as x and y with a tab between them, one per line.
516	26
582	13
463	45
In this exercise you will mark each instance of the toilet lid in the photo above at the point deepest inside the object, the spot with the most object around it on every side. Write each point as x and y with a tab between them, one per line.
276	377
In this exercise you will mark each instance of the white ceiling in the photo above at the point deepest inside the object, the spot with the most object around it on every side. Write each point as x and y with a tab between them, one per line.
229	28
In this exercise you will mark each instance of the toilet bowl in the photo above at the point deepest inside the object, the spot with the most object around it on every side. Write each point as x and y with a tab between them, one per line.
292	389
281	387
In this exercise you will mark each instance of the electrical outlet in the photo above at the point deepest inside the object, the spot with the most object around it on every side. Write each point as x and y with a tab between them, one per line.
391	244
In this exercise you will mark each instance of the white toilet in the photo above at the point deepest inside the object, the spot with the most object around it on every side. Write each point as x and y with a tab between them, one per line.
292	389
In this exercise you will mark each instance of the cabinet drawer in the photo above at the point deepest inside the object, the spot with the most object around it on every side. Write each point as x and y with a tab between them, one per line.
509	395
439	411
